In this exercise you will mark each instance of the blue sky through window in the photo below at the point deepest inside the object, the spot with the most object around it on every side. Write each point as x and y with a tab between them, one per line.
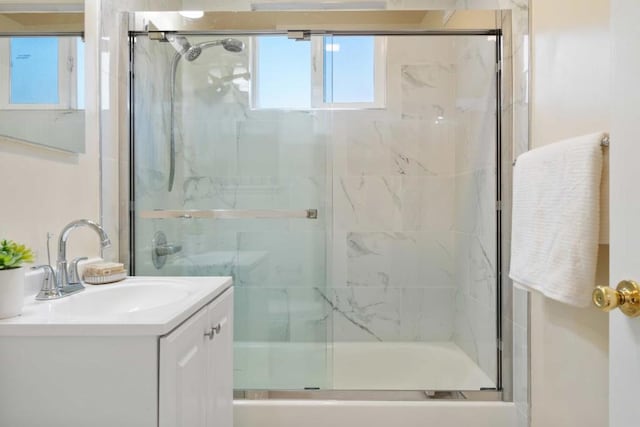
349	66
284	73
34	70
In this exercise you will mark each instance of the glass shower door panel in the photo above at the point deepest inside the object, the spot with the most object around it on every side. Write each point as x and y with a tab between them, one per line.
249	175
414	226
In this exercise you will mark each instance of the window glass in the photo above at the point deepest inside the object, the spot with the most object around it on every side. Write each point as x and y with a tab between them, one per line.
34	70
349	67
283	73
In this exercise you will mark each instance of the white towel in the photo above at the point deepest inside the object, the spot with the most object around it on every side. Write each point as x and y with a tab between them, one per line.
556	216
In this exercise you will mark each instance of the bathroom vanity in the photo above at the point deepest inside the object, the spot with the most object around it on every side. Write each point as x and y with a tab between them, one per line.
143	352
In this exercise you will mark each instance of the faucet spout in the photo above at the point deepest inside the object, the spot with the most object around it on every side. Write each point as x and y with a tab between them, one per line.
62	276
64	235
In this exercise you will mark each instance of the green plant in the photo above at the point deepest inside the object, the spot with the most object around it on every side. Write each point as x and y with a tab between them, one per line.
13	255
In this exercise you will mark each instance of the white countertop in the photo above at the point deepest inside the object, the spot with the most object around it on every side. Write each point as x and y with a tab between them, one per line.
61	317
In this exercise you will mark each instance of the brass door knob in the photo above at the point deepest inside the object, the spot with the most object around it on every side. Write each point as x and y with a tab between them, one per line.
626	296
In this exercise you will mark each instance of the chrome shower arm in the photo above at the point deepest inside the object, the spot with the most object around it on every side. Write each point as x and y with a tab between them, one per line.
207	45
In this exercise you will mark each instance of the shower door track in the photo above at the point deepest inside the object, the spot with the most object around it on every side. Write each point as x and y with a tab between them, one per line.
493	32
481	395
490	395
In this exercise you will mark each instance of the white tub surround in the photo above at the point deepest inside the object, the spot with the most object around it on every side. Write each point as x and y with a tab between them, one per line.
290	413
357	366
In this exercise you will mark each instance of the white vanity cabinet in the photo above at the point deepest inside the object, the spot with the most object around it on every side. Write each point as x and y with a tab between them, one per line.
167	367
196	375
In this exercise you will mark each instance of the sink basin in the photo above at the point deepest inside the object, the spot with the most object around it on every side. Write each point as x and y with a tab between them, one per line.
136	306
123	299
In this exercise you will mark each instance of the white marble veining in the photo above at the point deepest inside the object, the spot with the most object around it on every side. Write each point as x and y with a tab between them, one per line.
368	203
426	90
395	147
475	269
400	260
392	314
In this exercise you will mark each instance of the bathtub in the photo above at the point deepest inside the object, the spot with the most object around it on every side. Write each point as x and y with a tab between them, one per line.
328	413
357	366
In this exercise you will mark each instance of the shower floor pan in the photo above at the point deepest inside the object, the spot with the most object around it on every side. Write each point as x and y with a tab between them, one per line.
385	366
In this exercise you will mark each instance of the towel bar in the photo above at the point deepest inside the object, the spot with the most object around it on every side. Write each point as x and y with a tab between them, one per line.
604	142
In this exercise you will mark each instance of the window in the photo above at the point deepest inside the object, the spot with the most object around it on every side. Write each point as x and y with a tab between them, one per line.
42	73
283	74
349	69
324	72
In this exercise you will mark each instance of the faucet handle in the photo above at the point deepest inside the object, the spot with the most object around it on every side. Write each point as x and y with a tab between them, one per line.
48	272
74	277
49	289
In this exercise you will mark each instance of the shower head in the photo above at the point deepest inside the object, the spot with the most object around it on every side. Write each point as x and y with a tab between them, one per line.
232	45
184	48
191	53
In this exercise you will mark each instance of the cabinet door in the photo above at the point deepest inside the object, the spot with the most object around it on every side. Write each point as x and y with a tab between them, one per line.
220	372
183	366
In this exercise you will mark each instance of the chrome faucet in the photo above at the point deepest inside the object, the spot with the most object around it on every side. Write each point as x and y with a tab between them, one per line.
63	282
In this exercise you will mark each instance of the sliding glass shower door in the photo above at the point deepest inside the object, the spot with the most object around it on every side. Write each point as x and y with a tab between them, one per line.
348	184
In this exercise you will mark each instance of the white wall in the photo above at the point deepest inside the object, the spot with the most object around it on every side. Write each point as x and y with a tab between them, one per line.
45	189
570	92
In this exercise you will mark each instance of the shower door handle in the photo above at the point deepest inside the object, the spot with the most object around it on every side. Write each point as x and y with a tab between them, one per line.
229	214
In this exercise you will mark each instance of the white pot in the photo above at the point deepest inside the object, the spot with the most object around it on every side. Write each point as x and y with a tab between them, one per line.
11	292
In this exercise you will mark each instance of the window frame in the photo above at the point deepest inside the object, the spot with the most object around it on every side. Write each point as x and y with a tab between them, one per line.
67	76
317	77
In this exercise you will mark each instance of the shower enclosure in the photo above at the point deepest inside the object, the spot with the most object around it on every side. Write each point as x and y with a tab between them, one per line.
348	182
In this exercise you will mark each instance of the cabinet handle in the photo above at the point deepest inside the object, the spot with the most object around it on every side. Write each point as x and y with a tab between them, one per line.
211	333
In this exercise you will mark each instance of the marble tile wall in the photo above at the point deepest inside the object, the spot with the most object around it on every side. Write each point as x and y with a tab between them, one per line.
393	194
475	202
